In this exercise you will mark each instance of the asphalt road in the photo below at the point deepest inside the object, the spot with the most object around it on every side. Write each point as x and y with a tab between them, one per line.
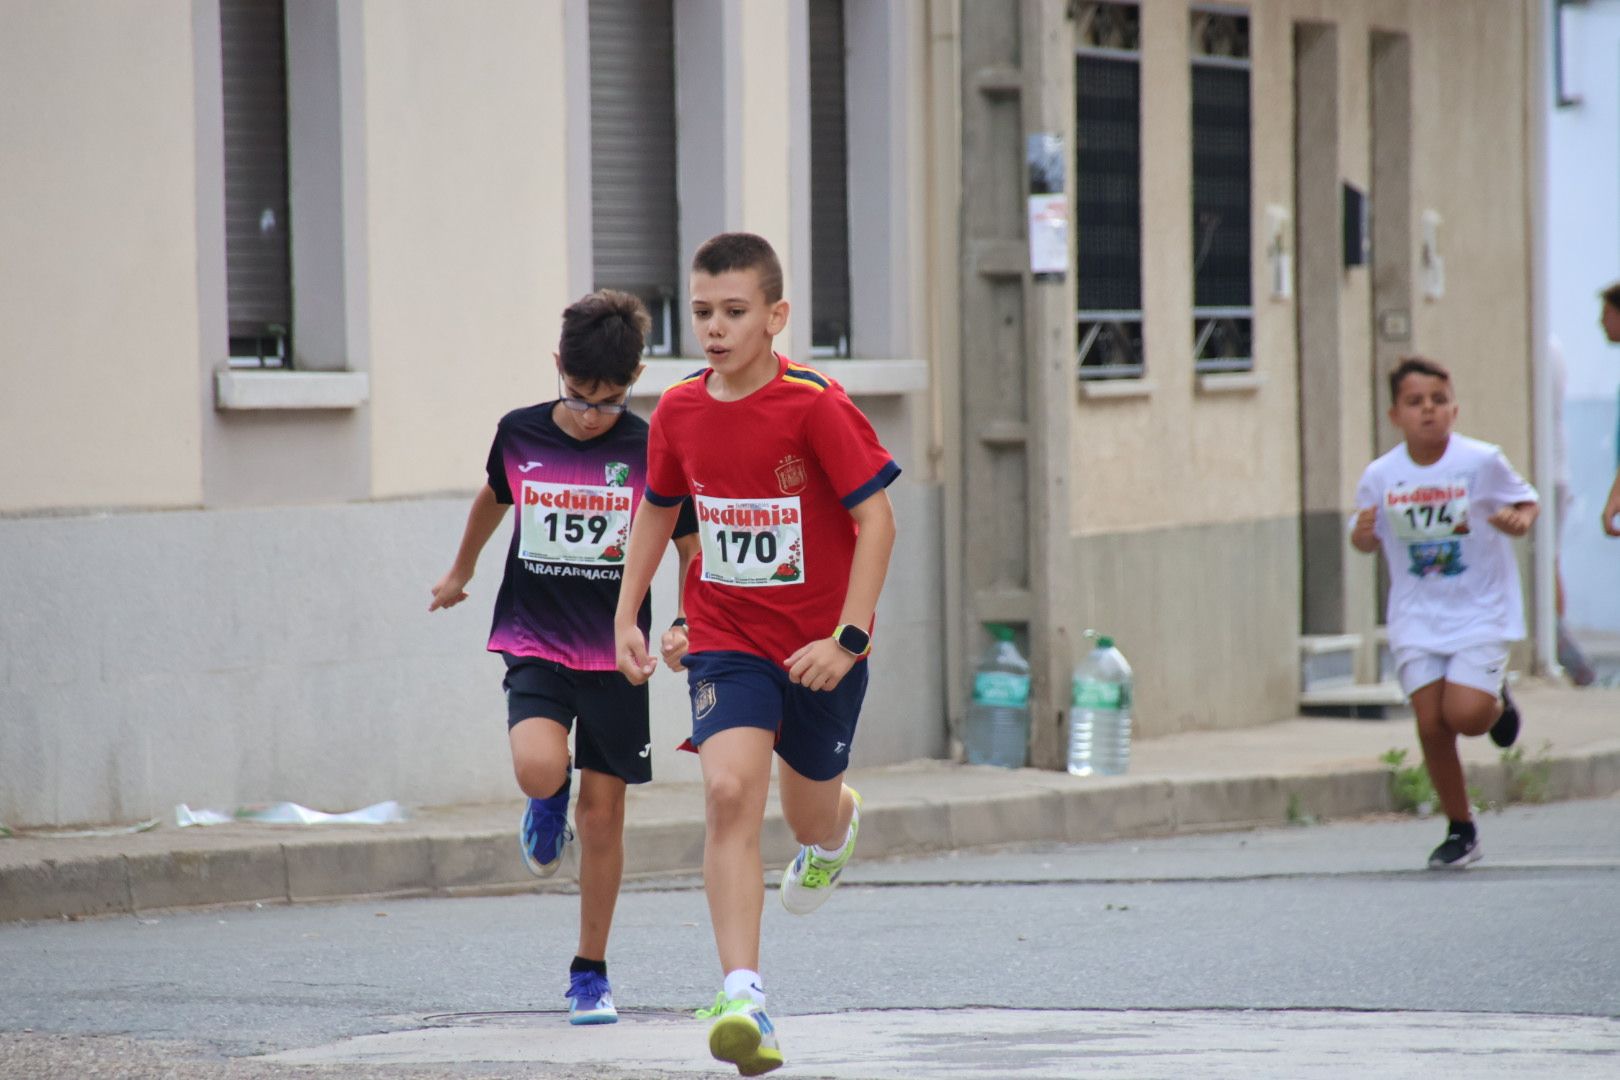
1311	951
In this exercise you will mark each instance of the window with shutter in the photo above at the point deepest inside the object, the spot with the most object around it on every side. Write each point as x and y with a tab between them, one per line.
1108	190
1223	302
258	281
829	182
635	243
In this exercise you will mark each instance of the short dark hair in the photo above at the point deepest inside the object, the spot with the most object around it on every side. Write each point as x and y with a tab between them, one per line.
742	251
1415	365
603	334
1611	295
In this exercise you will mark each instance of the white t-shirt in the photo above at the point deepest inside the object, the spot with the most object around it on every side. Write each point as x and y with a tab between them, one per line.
1453	581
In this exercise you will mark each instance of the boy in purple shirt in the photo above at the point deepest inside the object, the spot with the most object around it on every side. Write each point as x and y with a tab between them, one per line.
576	468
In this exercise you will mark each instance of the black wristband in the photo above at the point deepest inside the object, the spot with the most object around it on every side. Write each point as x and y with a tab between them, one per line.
680	622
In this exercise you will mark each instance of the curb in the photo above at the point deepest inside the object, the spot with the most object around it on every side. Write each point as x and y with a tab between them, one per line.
1053	808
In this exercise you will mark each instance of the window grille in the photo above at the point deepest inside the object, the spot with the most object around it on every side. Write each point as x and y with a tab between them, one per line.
1107	191
1223	302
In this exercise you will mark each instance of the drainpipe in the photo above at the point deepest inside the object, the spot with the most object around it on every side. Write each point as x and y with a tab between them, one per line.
1537	16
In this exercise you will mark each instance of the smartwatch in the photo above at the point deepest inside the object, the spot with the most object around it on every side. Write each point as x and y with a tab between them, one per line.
680	621
853	640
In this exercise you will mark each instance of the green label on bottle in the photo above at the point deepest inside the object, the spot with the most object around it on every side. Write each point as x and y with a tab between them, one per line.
1000	688
1095	694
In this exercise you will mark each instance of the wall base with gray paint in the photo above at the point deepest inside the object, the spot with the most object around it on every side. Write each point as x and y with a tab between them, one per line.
1207	615
223	657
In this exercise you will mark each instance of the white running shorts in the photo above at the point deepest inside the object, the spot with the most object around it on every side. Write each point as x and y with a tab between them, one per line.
1482	667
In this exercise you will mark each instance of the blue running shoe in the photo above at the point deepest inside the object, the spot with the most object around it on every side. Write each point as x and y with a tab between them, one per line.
545	832
590	999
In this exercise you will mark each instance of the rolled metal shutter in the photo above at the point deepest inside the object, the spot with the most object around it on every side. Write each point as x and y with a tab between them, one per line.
253	50
829	181
634	214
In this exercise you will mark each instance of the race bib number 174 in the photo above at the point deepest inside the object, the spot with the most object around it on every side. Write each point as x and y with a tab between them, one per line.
1425	512
751	542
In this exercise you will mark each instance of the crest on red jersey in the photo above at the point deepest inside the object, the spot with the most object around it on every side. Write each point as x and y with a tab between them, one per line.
790	475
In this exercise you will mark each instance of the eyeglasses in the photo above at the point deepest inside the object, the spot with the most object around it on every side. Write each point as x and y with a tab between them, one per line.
580	405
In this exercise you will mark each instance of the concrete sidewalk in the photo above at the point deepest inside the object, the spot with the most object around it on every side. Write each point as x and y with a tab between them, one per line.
1199	781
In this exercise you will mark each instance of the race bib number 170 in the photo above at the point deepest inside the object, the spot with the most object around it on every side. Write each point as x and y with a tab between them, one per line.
751	542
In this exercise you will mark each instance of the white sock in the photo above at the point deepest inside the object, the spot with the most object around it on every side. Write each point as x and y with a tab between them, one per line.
743	983
822	853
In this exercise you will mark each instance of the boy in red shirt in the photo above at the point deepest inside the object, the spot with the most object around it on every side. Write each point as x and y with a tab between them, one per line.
796	530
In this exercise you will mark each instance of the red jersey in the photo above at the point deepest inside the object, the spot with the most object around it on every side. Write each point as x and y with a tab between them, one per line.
774	477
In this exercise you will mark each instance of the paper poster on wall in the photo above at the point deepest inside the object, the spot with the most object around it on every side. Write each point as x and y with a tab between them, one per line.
1048	208
1049	236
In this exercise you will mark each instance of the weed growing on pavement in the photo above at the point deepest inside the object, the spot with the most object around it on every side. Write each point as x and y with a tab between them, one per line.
1413	793
1409	785
1527	779
1297	814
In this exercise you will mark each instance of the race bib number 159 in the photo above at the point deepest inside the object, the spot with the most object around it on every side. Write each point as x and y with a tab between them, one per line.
574	523
751	542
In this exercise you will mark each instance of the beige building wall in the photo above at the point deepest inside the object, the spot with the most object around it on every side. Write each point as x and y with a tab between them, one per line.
270	646
1469	72
467	214
766	130
1470	60
1186	496
97	257
249	623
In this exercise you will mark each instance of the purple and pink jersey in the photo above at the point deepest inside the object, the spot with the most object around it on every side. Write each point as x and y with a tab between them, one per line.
574	503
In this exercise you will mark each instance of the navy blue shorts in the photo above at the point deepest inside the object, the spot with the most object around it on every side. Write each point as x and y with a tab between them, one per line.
814	728
614	735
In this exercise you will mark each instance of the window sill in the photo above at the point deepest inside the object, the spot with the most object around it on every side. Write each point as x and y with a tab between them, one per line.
1115	389
252	390
1231	382
868	378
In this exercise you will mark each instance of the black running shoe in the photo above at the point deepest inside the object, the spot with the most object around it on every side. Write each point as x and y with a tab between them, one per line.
1460	849
1505	732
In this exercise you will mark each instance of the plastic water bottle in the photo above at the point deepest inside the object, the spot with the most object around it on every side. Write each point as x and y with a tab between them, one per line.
997	731
1100	713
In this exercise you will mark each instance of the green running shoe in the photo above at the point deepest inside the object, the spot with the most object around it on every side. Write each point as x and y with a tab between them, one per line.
810	879
742	1035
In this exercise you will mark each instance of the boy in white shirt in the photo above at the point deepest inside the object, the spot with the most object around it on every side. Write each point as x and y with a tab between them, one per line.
1443	507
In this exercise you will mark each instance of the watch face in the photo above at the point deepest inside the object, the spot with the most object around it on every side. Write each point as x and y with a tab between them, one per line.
853	639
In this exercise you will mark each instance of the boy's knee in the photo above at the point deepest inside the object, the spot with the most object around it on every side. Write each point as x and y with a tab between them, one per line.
1472	719
599	821
1432	725
726	797
539	778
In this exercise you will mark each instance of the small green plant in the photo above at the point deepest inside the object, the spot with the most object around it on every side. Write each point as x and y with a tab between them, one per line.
1297	814
1409	786
1412	791
1527	779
